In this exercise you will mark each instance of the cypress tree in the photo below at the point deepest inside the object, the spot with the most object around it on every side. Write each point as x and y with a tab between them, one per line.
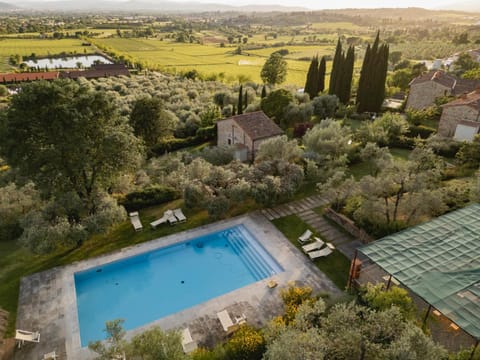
240	100
245	100
311	87
264	91
346	84
371	86
336	68
322	69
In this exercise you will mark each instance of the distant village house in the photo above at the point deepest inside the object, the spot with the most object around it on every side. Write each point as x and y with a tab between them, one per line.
425	88
97	71
247	132
461	118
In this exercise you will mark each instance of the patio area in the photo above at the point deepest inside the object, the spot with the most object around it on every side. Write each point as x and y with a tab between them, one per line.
47	301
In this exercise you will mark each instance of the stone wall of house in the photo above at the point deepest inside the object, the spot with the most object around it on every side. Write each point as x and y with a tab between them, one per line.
423	95
451	115
348	225
229	133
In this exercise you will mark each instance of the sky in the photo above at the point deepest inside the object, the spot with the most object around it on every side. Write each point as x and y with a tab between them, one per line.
319	4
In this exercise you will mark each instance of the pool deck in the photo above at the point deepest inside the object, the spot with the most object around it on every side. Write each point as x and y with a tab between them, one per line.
47	301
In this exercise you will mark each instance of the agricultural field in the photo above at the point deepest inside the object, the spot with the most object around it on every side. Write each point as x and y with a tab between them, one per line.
213	59
41	47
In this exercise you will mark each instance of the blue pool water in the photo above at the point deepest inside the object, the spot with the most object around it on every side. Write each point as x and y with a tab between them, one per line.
149	286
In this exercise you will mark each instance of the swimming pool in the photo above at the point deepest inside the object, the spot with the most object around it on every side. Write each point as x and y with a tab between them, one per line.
149	286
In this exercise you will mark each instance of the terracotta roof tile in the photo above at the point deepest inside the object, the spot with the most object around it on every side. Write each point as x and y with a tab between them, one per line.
98	71
435	75
28	76
472	99
457	86
257	125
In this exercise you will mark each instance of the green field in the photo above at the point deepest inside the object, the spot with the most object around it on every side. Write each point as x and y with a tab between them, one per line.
41	47
213	59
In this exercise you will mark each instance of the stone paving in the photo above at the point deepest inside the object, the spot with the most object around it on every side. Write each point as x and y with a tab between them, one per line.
47	300
303	209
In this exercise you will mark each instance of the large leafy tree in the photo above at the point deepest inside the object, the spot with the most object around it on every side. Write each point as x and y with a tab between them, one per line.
68	139
150	120
275	103
274	70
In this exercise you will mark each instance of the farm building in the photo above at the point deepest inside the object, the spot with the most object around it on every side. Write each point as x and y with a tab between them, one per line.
247	131
28	76
98	71
438	262
425	88
461	118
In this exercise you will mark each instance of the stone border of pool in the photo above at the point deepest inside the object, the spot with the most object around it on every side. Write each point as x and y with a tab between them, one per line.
47	301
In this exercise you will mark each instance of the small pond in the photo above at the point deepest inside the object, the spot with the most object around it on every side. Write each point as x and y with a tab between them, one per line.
67	62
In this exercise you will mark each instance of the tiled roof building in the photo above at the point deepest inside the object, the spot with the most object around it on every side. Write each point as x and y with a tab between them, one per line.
247	130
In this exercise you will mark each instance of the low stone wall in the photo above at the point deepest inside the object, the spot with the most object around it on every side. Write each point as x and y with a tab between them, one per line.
348	225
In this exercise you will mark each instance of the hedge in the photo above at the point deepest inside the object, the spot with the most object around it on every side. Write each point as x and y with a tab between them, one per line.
202	135
423	131
152	195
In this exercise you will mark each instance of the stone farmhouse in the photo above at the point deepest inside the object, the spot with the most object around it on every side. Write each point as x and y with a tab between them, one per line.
425	88
247	132
461	118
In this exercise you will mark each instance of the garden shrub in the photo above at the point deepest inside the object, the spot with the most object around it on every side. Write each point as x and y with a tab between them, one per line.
421	130
175	144
207	133
152	195
443	146
246	343
293	297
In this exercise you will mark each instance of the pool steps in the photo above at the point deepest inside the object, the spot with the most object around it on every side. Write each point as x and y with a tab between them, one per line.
251	258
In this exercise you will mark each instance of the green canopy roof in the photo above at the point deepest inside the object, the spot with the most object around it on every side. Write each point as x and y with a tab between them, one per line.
439	261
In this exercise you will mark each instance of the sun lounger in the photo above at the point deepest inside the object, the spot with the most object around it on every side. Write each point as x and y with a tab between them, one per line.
168	216
305	237
157	222
187	342
227	323
320	253
31	336
135	220
171	217
179	215
50	356
316	245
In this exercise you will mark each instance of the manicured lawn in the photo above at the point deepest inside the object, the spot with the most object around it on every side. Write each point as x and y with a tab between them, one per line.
335	266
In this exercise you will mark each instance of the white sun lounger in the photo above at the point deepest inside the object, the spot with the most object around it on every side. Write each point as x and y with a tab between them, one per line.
31	336
187	342
179	215
135	220
50	356
320	253
227	323
170	217
316	245
305	236
157	222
